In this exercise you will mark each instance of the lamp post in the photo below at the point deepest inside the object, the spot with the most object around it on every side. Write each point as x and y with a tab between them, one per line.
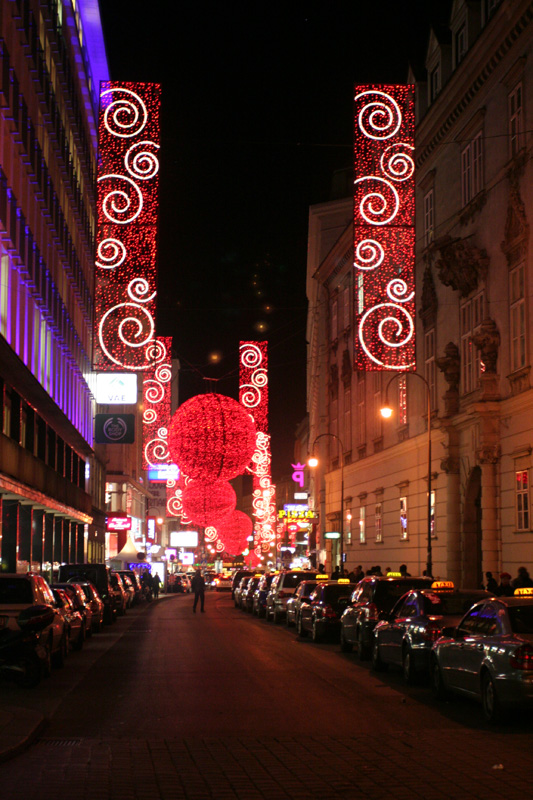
386	412
313	462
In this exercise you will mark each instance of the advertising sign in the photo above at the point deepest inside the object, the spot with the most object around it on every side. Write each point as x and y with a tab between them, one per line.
114	428
118	522
184	538
119	388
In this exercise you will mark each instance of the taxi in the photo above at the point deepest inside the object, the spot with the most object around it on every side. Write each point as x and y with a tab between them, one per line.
222	583
247	596
321	614
301	595
489	655
260	594
405	635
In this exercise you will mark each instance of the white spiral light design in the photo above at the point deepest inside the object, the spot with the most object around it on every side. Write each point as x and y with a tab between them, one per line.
163	373
153	391
251	355
156	451
250	396
126	115
156	352
369	254
374	206
138	289
143	328
397	290
142	165
111	254
397	323
397	163
380	117
117	204
149	416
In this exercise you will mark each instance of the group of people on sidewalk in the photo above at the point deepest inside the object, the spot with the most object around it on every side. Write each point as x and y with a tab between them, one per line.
507	586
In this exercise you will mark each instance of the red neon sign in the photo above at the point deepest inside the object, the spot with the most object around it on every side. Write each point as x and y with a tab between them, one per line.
157	406
127	199
118	523
384	234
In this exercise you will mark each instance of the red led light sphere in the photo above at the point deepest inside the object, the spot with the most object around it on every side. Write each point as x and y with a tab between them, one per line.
234	532
208	503
211	437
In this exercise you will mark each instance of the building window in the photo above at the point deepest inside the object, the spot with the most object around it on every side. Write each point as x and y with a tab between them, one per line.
432	514
522	500
429	217
360	293
402	400
362	524
434	83
472	169
471	316
348	527
515	120
517	318
460	44
429	365
361	409
403	518
378	523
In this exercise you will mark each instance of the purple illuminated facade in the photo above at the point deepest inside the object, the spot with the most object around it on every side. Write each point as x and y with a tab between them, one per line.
51	483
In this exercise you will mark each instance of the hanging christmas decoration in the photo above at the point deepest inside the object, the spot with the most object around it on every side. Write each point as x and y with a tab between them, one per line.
234	532
208	503
211	437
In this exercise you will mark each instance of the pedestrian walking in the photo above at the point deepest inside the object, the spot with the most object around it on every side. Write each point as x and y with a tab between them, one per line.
491	584
156	585
146	583
198	587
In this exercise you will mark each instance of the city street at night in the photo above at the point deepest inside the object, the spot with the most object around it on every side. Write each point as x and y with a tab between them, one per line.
167	704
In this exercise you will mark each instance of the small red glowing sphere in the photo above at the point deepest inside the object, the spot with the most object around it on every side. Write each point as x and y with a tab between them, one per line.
211	437
208	503
234	532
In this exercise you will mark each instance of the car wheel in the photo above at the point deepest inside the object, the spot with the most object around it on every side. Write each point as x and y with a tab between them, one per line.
58	658
437	683
408	669
315	636
363	650
302	633
346	646
489	699
377	664
29	671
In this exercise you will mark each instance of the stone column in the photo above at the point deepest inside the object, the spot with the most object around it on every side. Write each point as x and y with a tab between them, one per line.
25	534
10	533
37	539
490	494
79	554
58	539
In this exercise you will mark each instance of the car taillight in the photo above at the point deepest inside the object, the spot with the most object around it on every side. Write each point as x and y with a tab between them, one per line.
330	612
373	612
431	634
522	658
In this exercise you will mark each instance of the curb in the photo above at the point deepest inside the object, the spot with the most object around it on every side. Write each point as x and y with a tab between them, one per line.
19	728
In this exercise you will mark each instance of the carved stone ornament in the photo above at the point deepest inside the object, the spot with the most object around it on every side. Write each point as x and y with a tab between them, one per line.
428	309
346	369
334	381
489	454
487	341
461	264
450	365
516	234
450	465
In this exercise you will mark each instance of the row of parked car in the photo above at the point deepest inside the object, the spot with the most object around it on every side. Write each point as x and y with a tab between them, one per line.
463	641
41	622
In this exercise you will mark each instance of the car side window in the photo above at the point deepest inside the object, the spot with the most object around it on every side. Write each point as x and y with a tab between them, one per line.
481	621
408	608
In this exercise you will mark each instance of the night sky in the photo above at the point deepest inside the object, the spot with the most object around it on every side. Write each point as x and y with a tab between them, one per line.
256	117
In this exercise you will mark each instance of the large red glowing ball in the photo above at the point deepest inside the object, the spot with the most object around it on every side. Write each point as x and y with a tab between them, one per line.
208	503
211	437
234	532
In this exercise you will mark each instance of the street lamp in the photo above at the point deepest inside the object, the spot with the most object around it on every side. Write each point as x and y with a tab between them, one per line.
386	412
312	461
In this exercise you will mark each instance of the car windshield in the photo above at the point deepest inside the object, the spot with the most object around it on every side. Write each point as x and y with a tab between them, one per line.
335	592
449	605
521	618
292	579
15	590
388	592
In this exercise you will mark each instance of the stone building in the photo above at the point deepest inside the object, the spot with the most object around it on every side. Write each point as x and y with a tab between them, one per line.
473	204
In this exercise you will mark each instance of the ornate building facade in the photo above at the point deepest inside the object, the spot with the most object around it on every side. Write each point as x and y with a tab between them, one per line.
473	341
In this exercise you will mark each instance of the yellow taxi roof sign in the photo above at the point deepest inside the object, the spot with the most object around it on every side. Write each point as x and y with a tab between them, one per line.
524	591
443	586
258	575
343	580
394	575
322	577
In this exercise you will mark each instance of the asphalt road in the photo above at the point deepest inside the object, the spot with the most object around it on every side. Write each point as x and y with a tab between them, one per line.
164	678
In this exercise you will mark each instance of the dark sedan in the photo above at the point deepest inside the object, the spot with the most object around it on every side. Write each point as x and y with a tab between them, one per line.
321	614
301	595
407	634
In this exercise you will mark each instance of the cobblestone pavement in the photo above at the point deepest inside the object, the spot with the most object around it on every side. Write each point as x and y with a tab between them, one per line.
438	765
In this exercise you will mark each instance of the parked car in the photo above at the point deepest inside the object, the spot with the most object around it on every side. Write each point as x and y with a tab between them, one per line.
74	622
23	659
260	594
135	582
21	591
97	574
222	583
406	635
77	595
301	595
283	586
320	614
372	596
128	588
185	581
118	586
96	605
237	577
240	589
247	597
489	656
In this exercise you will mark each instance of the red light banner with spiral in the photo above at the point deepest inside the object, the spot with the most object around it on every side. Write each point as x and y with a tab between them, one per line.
126	239
157	384
384	233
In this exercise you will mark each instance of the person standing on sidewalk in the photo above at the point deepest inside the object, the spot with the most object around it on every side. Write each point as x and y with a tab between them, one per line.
198	587
156	585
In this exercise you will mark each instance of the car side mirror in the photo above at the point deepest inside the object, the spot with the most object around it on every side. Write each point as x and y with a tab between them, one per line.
452	633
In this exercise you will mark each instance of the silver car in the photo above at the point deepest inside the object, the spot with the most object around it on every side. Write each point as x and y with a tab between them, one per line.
489	656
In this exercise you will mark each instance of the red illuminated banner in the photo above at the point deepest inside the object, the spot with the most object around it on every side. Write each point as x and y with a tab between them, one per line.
127	200
384	235
117	523
157	406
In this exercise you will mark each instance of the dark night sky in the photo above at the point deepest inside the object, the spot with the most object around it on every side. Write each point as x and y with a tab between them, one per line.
256	116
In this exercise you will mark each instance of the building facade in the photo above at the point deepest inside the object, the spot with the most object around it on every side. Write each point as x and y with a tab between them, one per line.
473	202
51	481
